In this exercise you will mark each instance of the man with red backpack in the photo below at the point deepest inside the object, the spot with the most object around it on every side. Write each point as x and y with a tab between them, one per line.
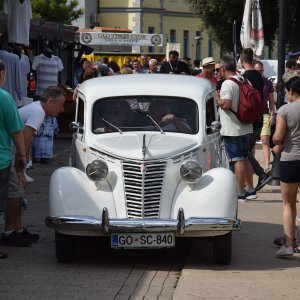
236	134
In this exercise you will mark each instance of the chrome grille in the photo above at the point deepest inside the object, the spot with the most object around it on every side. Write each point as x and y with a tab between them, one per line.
143	189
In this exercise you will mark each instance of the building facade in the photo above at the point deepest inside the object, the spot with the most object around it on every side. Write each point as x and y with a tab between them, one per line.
172	18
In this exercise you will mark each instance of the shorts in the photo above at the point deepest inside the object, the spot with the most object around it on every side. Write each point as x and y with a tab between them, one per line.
266	130
4	184
15	189
237	147
289	171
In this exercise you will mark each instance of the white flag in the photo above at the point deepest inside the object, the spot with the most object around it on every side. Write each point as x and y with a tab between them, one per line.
252	33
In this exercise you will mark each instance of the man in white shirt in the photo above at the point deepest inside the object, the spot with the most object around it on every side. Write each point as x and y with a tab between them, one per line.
236	135
51	104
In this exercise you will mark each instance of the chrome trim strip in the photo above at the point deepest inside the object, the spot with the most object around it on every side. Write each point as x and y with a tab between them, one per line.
107	225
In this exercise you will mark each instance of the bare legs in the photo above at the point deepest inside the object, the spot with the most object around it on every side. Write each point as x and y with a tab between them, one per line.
289	197
241	169
13	215
265	140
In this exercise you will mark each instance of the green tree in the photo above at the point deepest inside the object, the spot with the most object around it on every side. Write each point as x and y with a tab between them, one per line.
218	17
63	11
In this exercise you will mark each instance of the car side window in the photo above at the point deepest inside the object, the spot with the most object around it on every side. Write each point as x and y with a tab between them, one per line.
210	114
80	112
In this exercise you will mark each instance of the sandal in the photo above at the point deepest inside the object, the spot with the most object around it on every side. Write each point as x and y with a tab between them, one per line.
2	255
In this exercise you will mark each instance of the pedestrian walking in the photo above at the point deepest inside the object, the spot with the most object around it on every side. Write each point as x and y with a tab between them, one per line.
287	141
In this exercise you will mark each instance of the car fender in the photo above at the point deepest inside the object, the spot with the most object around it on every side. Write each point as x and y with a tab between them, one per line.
71	192
214	195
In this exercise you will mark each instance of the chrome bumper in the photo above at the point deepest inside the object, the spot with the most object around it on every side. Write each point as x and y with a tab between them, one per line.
106	225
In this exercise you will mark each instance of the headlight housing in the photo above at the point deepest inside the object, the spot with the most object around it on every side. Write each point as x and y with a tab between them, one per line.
97	170
191	171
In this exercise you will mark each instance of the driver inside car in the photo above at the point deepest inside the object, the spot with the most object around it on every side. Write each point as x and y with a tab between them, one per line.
117	113
160	111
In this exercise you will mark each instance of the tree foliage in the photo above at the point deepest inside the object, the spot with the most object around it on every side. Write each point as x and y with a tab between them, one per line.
63	11
218	17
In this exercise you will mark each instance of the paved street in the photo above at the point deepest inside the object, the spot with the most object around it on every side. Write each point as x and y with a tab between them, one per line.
187	273
34	273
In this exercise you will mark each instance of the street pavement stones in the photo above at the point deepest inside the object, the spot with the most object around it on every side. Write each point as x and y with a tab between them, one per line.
98	273
254	272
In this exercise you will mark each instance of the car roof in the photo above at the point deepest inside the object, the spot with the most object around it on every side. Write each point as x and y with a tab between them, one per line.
146	84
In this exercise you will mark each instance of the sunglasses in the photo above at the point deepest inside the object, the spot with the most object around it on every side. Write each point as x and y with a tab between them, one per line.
217	70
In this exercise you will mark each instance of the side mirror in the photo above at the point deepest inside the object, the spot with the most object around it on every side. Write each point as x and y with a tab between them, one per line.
215	126
74	127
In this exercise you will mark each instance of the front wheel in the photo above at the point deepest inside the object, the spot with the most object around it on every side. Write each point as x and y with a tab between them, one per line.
65	247
222	249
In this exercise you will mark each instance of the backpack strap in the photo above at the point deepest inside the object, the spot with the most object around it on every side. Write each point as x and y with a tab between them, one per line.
239	84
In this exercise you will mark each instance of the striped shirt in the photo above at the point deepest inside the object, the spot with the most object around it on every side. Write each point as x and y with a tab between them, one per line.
47	71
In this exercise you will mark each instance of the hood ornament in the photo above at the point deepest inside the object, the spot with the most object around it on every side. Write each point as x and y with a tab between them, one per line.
143	166
144	148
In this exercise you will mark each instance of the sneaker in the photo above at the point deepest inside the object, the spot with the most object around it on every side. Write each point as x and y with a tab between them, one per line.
242	198
285	251
15	239
32	236
251	195
262	181
28	178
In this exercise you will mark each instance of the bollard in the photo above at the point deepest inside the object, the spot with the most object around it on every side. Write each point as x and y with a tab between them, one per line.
275	181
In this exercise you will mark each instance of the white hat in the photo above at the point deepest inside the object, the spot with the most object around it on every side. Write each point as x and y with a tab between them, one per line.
208	61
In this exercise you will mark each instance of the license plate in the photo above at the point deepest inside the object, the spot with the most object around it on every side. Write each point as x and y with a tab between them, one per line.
142	240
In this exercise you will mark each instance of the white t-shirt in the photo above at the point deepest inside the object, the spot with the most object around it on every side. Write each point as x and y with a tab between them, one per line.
32	115
231	126
18	20
47	71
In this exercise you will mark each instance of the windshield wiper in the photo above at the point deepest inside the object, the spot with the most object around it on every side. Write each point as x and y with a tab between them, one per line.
149	117
112	125
108	123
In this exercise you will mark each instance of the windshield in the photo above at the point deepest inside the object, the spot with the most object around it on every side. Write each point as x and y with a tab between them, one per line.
145	113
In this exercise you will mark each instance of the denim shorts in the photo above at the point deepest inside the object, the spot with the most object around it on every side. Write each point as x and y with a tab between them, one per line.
4	183
237	147
289	171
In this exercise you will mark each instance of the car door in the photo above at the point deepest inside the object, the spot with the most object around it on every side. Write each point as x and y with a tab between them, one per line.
79	148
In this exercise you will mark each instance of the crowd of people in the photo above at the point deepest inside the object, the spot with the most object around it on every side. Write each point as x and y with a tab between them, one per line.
22	126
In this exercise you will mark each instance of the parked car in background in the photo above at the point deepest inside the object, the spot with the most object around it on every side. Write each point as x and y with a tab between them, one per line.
146	168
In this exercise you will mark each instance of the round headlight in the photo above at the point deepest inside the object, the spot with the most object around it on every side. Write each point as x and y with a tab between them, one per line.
190	171
97	170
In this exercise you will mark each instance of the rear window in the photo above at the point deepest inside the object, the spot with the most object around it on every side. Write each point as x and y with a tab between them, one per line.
145	113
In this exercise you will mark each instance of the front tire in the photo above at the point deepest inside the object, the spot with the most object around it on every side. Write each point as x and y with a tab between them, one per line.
65	246
222	249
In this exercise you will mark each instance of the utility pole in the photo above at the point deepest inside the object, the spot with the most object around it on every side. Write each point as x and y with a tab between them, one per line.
281	52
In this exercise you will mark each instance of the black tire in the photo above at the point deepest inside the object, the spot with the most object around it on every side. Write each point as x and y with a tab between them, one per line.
65	246
222	249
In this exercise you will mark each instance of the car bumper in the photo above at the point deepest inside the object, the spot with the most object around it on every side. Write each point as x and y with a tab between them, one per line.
106	225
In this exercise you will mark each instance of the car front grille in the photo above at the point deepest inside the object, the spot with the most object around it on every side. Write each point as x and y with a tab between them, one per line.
143	182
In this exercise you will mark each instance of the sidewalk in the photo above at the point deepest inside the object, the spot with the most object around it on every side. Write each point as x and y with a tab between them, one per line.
254	272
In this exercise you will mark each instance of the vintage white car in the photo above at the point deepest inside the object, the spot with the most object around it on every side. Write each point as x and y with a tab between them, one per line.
146	168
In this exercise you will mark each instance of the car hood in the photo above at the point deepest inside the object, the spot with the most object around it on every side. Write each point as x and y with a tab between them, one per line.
143	146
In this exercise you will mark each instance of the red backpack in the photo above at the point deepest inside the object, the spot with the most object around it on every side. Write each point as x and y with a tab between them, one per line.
250	109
